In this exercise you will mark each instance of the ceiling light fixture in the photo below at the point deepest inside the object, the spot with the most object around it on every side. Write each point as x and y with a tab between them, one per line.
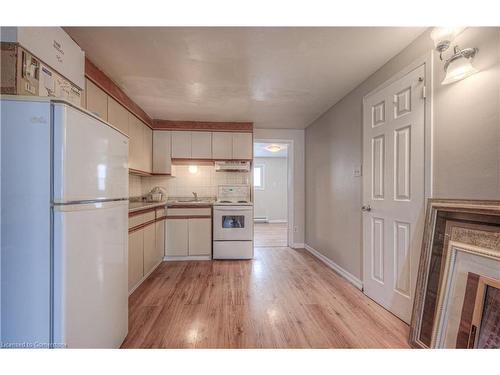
273	148
459	65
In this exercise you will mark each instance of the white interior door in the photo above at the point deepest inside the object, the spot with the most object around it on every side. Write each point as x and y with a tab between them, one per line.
393	191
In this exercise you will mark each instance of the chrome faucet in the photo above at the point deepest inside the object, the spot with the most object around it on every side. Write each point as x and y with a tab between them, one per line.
195	196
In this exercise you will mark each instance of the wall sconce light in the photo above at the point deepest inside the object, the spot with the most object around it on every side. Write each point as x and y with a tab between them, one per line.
459	65
443	36
193	169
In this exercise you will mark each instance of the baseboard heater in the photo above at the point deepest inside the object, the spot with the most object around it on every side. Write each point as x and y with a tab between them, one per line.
261	219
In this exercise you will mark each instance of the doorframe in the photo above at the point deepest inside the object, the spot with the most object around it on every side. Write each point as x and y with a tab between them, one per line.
290	192
428	61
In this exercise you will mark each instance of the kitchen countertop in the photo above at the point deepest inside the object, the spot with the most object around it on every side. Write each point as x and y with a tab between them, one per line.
138	206
184	202
174	202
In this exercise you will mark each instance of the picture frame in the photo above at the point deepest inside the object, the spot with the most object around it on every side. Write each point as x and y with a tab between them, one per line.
462	260
463	221
485	329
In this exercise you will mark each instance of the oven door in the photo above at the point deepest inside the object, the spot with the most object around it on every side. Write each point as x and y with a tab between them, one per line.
233	223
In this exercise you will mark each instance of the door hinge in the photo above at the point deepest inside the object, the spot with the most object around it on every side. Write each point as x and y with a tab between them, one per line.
424	94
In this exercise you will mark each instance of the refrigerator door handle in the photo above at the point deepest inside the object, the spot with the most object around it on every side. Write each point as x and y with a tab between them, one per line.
89	201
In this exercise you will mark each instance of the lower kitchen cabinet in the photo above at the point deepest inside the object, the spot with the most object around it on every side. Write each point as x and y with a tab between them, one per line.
200	237
135	258
146	244
188	235
160	240
150	258
177	237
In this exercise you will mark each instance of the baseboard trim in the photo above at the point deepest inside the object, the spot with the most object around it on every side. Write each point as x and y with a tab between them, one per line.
341	271
198	257
298	246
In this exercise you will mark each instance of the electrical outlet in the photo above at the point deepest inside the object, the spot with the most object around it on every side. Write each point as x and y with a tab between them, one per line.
295	229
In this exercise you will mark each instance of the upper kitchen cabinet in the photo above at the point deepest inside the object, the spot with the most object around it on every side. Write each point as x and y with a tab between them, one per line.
162	156
191	145
201	145
96	100
118	115
222	145
147	148
227	146
135	143
181	145
242	146
140	153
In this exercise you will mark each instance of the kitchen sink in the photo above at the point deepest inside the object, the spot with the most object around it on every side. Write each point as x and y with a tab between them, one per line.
192	201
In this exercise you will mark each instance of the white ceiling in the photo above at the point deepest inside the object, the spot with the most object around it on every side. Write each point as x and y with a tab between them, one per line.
274	77
260	151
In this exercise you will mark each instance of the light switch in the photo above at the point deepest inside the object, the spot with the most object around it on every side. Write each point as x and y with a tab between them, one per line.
357	171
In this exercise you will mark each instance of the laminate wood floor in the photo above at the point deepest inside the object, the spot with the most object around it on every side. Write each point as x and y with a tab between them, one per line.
283	298
270	235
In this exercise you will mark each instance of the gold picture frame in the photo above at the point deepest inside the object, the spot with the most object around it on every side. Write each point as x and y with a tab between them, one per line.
478	317
489	254
446	220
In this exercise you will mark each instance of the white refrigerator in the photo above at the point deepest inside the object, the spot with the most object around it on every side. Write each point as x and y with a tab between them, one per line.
64	227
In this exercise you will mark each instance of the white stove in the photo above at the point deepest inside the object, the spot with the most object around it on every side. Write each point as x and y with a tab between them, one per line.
233	223
233	202
233	195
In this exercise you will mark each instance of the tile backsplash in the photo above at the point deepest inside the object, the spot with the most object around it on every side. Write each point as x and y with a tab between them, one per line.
204	182
134	186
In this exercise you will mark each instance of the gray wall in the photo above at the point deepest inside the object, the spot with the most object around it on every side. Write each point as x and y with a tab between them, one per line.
466	146
296	157
271	202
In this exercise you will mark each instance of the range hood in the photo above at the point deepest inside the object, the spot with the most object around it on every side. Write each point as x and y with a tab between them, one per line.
232	166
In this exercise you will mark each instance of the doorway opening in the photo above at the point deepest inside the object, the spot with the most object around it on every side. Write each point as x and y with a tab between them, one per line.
270	182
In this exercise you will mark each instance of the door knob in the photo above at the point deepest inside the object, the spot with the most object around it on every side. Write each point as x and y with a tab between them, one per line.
366	208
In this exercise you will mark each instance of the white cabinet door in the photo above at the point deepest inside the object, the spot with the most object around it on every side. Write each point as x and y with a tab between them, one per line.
117	115
181	145
160	240
136	144
242	146
200	236
150	258
201	145
162	159
147	148
135	258
97	100
222	145
177	237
